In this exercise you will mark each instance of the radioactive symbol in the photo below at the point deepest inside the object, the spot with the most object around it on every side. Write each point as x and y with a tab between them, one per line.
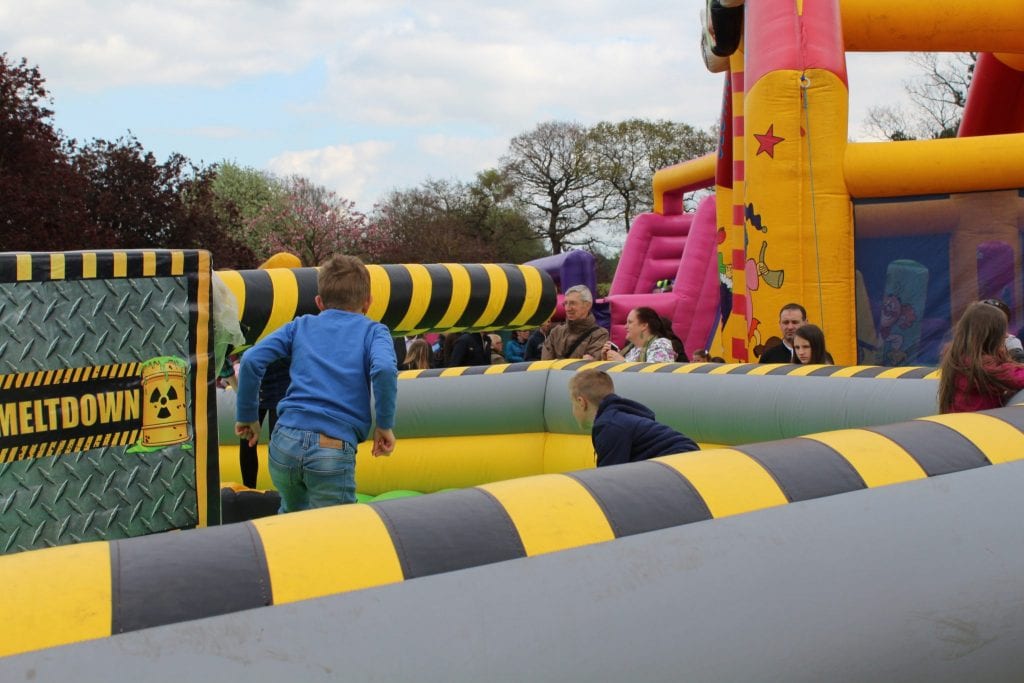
164	412
161	401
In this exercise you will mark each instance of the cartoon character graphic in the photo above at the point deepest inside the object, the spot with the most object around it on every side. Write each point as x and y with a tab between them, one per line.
894	319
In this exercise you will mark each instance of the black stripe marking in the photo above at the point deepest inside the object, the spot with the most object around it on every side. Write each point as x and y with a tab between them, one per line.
134	264
824	371
440	296
516	297
168	578
433	372
163	263
936	448
400	297
259	298
1011	415
643	496
705	368
73	265
668	368
548	301
873	371
744	368
305	282
8	267
104	265
518	367
575	365
475	370
479	295
804	468
448	531
917	373
40	267
782	369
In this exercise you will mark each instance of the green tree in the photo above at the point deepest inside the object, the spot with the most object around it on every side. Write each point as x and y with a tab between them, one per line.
447	221
242	193
627	154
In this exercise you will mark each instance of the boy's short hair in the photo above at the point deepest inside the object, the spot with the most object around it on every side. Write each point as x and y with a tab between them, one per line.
343	282
592	385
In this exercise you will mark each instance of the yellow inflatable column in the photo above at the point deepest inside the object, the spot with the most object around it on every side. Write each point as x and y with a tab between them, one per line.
798	220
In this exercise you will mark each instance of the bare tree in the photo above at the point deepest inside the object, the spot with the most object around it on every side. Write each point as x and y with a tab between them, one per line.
628	153
937	99
553	170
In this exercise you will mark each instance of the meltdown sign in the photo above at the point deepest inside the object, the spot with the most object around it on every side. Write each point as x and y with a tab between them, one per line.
50	412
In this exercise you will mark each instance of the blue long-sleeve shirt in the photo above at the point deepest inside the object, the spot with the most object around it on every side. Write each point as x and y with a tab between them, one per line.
336	357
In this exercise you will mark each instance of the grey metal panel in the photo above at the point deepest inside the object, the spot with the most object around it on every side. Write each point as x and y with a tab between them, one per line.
914	582
737	409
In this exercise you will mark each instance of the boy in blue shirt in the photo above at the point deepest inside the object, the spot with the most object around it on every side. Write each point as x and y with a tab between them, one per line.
335	358
623	430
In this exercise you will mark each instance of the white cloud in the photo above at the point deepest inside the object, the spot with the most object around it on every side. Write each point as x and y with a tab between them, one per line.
346	169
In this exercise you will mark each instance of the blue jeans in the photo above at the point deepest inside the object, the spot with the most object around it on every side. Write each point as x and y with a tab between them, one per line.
308	475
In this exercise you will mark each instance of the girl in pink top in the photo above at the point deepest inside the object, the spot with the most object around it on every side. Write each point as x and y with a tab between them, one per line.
977	373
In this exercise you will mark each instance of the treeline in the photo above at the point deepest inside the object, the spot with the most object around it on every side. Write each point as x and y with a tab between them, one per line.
558	186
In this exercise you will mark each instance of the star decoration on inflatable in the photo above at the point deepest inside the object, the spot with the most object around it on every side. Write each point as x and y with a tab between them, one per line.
766	141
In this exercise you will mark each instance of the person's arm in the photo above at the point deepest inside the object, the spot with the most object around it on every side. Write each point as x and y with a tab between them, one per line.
660	351
384	378
593	345
250	373
547	352
612	444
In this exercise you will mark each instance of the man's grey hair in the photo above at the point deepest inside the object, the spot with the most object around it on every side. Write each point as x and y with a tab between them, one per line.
583	291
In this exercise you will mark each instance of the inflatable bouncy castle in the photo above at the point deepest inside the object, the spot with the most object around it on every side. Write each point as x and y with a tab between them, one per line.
883	243
831	528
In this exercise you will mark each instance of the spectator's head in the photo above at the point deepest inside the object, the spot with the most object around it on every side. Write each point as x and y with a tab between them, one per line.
1001	305
344	283
578	301
587	389
417	357
496	343
522	336
809	345
981	331
701	356
642	324
791	317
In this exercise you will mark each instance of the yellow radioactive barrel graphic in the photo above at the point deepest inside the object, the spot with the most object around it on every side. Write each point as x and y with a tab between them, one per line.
164	417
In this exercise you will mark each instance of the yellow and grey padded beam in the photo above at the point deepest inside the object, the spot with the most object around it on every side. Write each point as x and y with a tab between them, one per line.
459	426
74	593
408	298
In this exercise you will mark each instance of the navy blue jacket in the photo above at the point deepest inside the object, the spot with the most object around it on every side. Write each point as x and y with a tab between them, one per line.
625	431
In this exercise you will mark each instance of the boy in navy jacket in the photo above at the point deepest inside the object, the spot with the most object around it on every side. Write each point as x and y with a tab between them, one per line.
623	430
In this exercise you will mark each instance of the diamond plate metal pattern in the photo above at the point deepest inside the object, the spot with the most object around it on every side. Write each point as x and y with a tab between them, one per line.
104	493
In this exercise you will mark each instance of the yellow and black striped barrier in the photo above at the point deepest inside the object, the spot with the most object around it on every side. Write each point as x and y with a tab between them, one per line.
94	590
408	298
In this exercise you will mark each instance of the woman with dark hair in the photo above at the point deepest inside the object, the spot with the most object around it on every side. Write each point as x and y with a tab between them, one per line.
809	346
648	339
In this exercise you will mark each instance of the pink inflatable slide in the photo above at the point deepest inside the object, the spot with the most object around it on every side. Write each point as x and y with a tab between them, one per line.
680	247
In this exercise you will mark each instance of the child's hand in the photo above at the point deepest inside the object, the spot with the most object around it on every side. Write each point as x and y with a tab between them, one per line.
383	441
250	431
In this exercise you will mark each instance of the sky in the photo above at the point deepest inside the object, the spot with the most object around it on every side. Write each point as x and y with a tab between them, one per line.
366	97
